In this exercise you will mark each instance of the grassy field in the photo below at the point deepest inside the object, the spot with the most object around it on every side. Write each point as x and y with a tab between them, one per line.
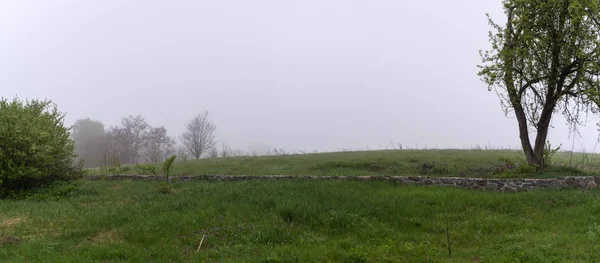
311	221
298	221
472	163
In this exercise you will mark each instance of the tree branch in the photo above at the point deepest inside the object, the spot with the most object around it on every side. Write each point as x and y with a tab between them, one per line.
568	70
529	84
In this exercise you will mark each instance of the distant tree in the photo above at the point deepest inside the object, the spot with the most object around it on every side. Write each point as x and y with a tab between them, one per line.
158	145
90	139
545	59
117	145
199	135
127	141
225	150
182	154
136	129
213	153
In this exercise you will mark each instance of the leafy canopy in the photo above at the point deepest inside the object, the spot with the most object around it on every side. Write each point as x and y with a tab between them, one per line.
545	60
548	53
35	146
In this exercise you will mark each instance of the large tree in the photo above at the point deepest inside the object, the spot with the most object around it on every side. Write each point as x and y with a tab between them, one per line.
199	135
544	60
90	138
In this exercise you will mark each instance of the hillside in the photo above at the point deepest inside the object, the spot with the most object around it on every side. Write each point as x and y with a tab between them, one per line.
471	163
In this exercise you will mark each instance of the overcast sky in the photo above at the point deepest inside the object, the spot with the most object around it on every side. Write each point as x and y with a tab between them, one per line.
293	74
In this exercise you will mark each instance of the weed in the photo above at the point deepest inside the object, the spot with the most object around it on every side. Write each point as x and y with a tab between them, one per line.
147	168
447	227
164	188
111	163
271	260
167	165
272	236
412	160
356	256
415	221
521	170
549	154
432	168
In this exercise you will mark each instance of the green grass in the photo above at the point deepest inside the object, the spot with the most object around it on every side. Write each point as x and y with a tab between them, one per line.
297	221
472	163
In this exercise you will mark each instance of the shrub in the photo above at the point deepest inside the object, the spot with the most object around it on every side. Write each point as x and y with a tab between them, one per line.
168	164
164	188
35	146
549	152
54	191
520	170
111	164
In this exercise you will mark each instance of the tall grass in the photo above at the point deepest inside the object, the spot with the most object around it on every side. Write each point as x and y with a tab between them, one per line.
299	221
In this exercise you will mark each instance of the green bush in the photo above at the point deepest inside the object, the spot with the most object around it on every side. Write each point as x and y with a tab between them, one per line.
54	191
35	146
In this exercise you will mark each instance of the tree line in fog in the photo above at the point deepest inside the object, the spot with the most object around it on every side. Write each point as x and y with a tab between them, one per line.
134	141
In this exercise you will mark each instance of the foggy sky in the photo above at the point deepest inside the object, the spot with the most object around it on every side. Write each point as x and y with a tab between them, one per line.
293	74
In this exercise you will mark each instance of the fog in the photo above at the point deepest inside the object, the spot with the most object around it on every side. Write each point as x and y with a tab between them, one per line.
298	75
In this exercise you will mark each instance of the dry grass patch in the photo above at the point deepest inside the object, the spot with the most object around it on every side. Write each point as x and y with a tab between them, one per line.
9	224
90	204
12	222
104	237
9	240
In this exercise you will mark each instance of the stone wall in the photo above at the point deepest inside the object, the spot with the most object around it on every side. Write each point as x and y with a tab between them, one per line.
487	184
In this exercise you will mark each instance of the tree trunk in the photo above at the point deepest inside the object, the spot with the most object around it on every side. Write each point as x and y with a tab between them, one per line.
535	155
524	135
542	132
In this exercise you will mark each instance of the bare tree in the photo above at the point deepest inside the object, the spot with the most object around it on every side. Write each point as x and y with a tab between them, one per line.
136	129
225	150
158	145
182	154
199	135
117	145
213	153
126	142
